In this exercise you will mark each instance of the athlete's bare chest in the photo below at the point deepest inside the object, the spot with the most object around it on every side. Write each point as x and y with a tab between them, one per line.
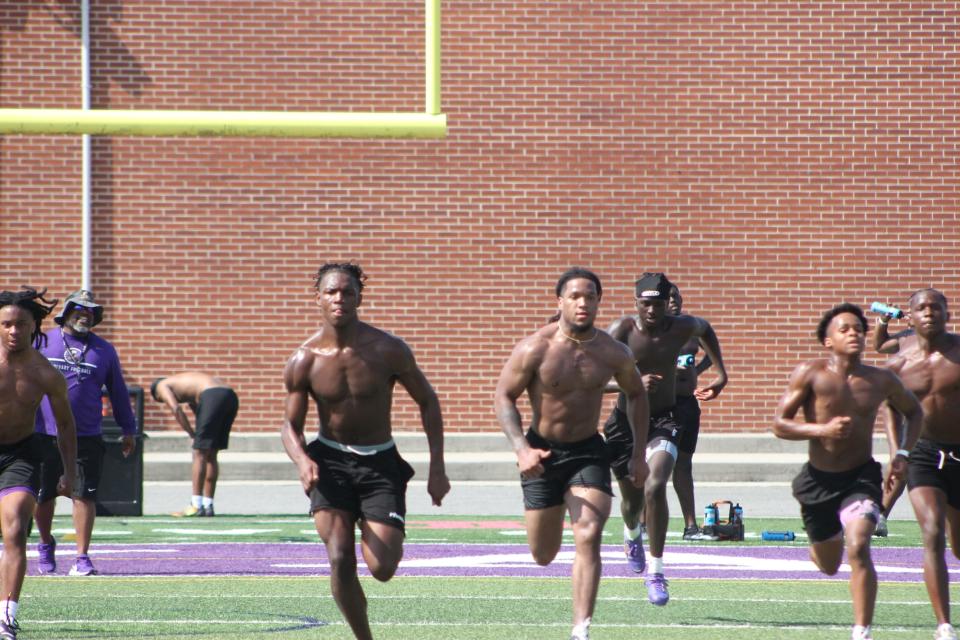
836	395
347	374
573	369
935	374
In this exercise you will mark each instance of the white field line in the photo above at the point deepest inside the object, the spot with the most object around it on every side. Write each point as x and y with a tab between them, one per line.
481	598
307	623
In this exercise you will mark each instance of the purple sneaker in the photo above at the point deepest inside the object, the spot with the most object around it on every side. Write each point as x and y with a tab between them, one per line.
636	559
657	590
83	567
48	556
8	630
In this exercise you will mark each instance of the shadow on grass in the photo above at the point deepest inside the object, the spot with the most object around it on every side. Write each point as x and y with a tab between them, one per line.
287	624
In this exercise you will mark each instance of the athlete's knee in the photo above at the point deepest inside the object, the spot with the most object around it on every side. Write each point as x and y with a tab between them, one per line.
588	532
383	570
655	487
544	554
342	558
858	551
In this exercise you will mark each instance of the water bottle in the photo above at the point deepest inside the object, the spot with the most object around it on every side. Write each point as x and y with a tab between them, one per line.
738	514
785	536
710	516
887	310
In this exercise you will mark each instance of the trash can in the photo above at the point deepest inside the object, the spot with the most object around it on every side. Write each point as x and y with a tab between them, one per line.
121	482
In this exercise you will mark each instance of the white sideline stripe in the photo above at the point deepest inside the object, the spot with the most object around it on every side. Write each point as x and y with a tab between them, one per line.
423	483
431	623
805	601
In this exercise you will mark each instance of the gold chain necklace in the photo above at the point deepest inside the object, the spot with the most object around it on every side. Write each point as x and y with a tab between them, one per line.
578	341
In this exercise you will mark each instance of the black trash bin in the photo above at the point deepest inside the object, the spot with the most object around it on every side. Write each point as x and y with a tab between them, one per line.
121	482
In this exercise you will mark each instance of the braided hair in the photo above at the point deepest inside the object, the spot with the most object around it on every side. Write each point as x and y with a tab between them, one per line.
33	301
349	268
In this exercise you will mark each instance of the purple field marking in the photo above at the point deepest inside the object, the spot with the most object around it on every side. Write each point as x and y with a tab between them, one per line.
478	560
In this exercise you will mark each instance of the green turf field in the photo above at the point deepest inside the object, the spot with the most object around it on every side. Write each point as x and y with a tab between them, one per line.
418	608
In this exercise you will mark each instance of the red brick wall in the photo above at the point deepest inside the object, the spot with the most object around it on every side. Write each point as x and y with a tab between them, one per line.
773	158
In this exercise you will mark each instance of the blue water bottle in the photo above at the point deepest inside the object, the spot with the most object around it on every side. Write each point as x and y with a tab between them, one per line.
710	516
738	514
887	310
783	536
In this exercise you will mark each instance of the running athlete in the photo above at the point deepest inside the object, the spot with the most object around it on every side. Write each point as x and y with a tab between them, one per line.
352	472
25	379
840	488
564	368
931	369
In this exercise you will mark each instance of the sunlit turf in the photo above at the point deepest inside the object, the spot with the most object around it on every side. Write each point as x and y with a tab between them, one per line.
476	608
409	608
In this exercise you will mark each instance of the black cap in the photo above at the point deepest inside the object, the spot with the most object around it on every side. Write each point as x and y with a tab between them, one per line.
654	286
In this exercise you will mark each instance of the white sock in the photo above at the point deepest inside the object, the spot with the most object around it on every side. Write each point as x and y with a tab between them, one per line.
207	502
631	534
196	501
8	610
860	632
654	565
581	631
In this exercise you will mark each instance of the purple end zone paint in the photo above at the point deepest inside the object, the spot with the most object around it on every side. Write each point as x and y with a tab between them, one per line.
479	560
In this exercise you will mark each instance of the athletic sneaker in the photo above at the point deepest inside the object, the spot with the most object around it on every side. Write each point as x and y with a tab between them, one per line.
8	630
693	533
657	590
83	567
636	558
945	632
190	512
206	512
861	634
881	531
48	556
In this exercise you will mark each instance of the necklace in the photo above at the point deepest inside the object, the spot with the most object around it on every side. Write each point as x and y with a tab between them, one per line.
577	340
73	355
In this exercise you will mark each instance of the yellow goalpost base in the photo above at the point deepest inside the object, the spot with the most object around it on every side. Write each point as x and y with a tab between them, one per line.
268	124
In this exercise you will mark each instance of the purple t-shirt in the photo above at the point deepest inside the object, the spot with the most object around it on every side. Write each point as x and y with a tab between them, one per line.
87	364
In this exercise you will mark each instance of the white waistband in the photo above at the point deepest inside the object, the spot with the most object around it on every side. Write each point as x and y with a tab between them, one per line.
358	449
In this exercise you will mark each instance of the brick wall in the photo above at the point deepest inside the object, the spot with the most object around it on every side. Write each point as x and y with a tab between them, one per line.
773	158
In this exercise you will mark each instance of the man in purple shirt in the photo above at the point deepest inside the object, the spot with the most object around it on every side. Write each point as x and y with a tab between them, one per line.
88	363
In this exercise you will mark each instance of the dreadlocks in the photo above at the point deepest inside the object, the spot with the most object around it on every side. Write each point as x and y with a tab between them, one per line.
352	270
27	298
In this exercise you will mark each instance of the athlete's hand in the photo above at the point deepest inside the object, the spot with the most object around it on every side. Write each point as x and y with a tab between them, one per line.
638	470
65	485
651	381
438	485
309	474
127	444
529	461
707	393
838	428
898	469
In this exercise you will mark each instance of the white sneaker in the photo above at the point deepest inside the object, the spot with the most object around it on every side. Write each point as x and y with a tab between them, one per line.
861	634
945	632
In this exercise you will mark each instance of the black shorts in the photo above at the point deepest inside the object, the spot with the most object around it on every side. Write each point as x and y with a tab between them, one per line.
90	451
687	413
582	463
823	495
936	465
215	414
20	466
619	437
371	487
